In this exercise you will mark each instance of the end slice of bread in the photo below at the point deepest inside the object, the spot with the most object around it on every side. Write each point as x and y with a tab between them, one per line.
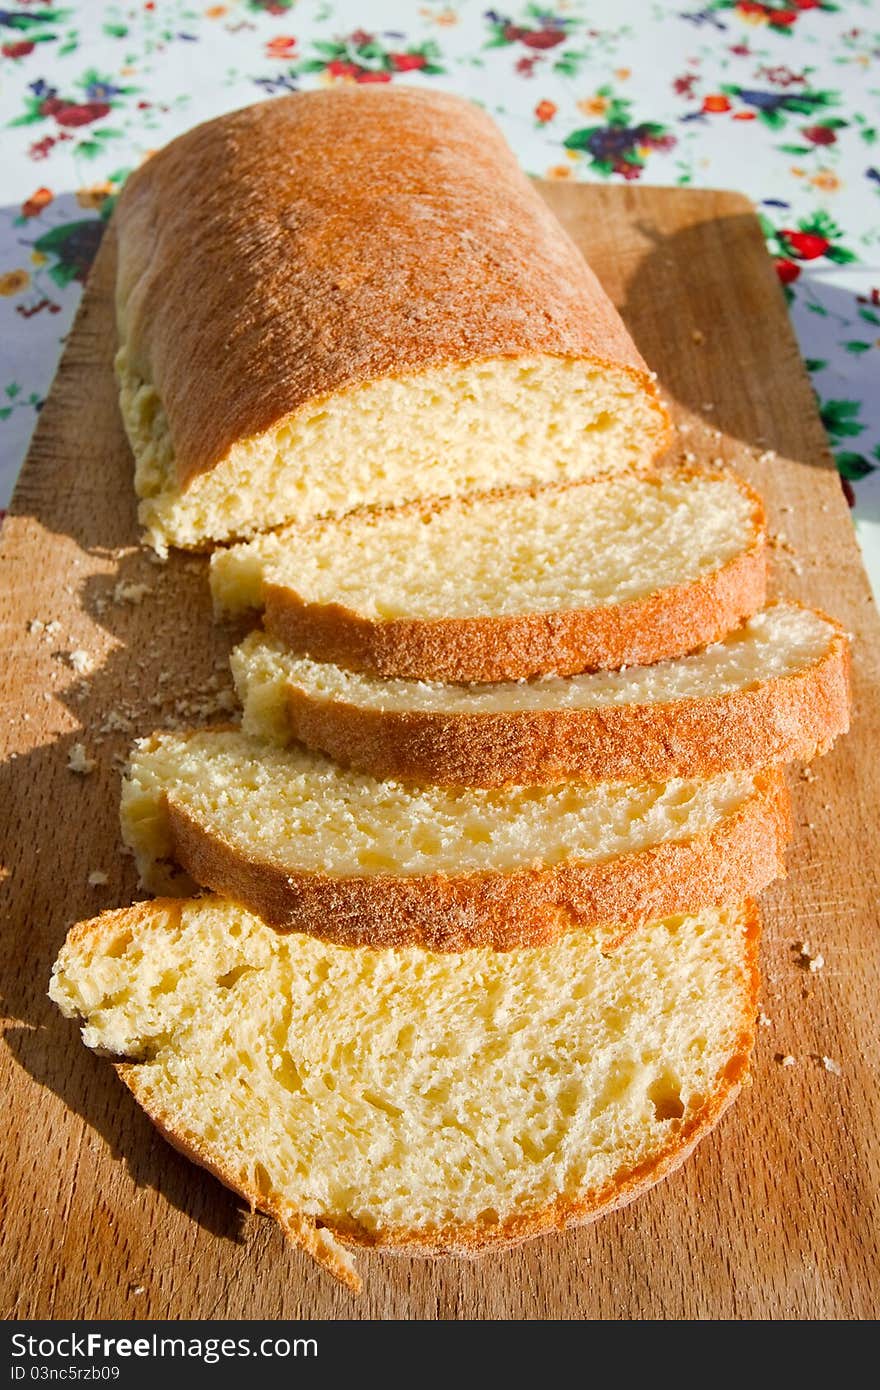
434	1104
503	587
388	311
312	847
775	690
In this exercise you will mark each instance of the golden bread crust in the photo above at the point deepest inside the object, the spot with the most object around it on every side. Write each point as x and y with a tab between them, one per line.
668	623
501	910
318	280
784	719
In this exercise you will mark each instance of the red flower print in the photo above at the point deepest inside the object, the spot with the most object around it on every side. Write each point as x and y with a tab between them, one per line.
40	148
744	116
36	202
545	111
684	86
784	18
782	76
806	246
17	50
340	69
280	46
543	38
787	271
820	135
407	62
373	77
750	7
806	4
360	37
81	115
715	104
525	67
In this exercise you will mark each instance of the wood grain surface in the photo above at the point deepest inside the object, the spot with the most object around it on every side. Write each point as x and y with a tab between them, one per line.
776	1215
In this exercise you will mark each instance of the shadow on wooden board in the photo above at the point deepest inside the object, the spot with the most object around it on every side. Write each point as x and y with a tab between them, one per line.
680	277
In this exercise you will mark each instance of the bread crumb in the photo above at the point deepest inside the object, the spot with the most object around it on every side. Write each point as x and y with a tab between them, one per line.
130	593
97	878
39	628
81	661
708	405
79	761
786	1059
830	1065
115	723
779	541
810	960
698	335
136	1289
807	775
764	1021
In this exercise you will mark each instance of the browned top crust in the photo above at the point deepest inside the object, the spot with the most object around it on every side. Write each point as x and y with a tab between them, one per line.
340	236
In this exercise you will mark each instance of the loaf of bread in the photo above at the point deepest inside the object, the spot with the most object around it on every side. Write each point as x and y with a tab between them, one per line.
596	575
385	310
435	1104
312	847
774	691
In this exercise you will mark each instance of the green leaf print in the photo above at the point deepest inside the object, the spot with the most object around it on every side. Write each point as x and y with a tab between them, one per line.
838	417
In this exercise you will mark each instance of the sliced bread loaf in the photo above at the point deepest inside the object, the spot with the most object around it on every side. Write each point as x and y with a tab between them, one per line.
435	1104
623	572
388	311
312	847
774	691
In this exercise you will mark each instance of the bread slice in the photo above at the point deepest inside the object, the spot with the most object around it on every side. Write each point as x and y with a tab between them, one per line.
600	575
776	690
388	311
434	1104
311	847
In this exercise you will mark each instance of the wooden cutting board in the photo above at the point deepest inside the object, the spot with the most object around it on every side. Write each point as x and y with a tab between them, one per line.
776	1215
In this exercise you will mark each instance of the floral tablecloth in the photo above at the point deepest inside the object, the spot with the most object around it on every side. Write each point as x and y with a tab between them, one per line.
777	99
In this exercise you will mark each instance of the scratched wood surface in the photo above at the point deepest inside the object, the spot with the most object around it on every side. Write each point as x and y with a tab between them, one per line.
777	1214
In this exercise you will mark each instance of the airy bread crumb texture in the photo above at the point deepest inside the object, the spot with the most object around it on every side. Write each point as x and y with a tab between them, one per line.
470	427
302	812
344	856
435	1103
577	547
775	690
